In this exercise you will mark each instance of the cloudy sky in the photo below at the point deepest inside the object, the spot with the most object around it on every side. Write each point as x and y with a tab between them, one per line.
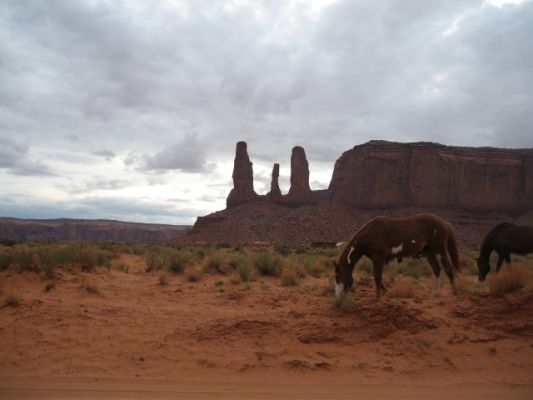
131	109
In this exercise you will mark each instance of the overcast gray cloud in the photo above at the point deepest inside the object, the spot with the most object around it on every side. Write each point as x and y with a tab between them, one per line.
188	155
170	86
14	157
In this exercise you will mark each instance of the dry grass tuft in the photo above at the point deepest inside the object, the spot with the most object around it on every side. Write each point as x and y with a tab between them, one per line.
194	274
89	288
289	277
511	278
345	303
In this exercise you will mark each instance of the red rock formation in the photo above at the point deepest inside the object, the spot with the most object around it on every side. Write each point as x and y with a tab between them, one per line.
275	192
299	192
243	178
391	175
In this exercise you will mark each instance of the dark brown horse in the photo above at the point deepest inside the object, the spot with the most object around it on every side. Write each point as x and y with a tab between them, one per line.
505	238
383	239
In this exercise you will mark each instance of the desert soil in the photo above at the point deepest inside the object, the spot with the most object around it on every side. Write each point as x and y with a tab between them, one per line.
128	336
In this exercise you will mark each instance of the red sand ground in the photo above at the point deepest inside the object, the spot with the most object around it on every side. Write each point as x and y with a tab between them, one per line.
136	338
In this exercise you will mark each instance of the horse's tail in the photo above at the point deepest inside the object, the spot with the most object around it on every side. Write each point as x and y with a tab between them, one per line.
452	250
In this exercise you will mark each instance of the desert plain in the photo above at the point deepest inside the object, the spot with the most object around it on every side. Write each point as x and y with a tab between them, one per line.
129	331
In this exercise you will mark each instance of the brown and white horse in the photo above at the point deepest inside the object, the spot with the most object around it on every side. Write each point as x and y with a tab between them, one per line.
383	239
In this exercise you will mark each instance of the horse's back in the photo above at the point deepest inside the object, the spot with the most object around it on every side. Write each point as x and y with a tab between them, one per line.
426	227
514	237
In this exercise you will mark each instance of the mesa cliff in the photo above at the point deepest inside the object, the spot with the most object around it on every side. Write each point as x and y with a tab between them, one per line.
472	187
392	175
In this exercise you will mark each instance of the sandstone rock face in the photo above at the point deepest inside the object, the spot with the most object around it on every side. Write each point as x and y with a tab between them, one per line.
275	192
243	178
391	175
299	192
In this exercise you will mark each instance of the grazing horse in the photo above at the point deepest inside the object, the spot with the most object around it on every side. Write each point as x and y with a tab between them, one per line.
383	239
505	238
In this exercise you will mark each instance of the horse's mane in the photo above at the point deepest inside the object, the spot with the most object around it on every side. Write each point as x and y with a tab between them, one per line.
493	233
496	230
349	243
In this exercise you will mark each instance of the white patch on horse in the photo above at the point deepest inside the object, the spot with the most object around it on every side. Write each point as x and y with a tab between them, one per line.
350	255
339	288
397	249
435	232
413	241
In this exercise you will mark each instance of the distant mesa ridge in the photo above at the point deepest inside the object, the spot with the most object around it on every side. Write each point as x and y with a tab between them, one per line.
88	230
382	174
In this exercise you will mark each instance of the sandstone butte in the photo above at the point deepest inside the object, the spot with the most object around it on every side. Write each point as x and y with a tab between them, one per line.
473	187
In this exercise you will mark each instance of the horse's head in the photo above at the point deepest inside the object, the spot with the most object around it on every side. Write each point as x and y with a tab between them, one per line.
343	278
483	268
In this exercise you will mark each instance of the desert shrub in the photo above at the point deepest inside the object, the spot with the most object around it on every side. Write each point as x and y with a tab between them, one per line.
317	269
163	280
198	253
289	277
92	256
155	258
345	303
178	261
124	267
245	270
194	274
510	278
302	250
282	249
222	245
5	259
215	262
267	263
174	260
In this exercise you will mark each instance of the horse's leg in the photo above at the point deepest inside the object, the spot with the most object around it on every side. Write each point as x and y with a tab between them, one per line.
501	257
378	270
445	260
430	255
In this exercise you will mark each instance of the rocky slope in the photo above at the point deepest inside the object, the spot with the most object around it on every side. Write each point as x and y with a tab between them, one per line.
77	229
